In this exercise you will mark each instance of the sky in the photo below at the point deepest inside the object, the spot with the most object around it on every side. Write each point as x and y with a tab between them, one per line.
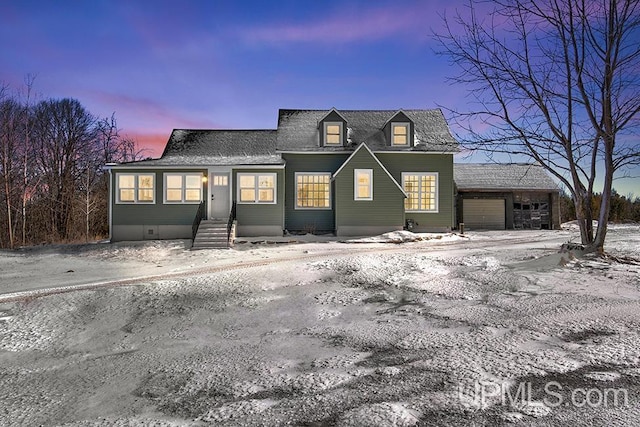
213	64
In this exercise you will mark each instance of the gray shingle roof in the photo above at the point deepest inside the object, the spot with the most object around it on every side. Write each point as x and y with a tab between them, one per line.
496	177
218	147
298	130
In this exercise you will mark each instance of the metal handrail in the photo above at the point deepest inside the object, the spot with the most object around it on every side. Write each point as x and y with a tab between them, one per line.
232	218
197	220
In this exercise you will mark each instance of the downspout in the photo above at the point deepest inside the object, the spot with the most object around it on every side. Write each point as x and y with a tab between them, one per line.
284	199
107	167
110	205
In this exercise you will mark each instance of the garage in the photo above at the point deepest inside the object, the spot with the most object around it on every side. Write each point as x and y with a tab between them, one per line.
507	196
484	214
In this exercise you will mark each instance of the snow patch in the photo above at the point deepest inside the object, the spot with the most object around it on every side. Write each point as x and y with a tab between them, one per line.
384	414
404	236
603	376
344	297
533	408
237	410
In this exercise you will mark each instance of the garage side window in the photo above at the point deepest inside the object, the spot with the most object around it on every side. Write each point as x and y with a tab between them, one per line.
182	187
135	188
422	191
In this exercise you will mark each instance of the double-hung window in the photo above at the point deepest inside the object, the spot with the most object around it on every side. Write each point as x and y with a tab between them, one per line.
400	133
363	184
135	188
333	133
422	191
182	187
313	190
257	188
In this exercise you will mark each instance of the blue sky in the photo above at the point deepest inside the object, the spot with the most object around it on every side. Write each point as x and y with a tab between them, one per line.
161	65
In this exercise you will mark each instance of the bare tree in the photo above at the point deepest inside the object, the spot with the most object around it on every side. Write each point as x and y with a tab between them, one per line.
51	168
10	138
27	154
113	146
557	82
66	135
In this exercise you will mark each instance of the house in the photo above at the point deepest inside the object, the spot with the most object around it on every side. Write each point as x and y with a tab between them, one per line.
506	196
350	172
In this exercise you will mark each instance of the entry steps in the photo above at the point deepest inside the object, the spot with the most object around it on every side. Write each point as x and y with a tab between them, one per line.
212	234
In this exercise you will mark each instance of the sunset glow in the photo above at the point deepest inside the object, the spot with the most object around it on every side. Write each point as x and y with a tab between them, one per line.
227	64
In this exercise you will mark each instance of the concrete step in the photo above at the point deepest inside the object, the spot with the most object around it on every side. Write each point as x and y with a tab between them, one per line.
212	235
209	227
222	233
196	247
208	222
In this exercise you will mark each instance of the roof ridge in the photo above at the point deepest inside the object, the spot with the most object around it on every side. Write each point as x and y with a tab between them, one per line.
497	164
224	130
319	110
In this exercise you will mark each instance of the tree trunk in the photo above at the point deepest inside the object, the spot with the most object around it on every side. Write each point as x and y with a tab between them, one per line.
87	206
584	217
7	190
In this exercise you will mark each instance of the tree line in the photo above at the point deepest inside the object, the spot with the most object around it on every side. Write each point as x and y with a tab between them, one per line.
52	184
623	209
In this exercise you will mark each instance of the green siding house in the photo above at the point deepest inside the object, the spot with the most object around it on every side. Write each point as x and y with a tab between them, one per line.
350	172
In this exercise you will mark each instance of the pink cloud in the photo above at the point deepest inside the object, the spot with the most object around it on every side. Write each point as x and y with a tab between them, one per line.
151	143
353	26
147	121
147	113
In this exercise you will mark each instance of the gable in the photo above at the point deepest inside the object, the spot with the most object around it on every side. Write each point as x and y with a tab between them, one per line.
401	120
333	122
363	158
399	116
333	116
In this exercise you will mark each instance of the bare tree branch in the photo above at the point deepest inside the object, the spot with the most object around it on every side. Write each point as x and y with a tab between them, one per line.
557	82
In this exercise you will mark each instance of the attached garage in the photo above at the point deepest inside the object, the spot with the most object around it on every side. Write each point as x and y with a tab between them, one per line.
484	214
492	196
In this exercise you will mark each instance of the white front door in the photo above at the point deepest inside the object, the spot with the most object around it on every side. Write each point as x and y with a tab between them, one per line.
219	195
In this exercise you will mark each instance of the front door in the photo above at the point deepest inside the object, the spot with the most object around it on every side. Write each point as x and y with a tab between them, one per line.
219	205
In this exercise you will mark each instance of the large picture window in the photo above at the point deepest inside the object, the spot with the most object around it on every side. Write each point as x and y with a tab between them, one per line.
182	187
135	188
313	190
422	191
257	188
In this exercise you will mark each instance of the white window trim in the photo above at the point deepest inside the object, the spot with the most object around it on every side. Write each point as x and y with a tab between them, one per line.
356	172
257	176
311	208
184	188
135	200
437	195
407	126
340	142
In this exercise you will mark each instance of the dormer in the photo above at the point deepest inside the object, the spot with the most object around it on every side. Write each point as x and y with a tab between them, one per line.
333	129
399	131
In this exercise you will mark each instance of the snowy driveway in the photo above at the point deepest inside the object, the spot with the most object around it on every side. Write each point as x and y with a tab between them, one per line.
329	334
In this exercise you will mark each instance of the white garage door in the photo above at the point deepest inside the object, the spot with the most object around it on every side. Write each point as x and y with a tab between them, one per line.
483	214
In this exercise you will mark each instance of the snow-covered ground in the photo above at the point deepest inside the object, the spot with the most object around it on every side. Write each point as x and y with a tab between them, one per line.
427	330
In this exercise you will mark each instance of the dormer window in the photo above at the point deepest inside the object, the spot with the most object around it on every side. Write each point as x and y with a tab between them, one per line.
333	133
400	134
